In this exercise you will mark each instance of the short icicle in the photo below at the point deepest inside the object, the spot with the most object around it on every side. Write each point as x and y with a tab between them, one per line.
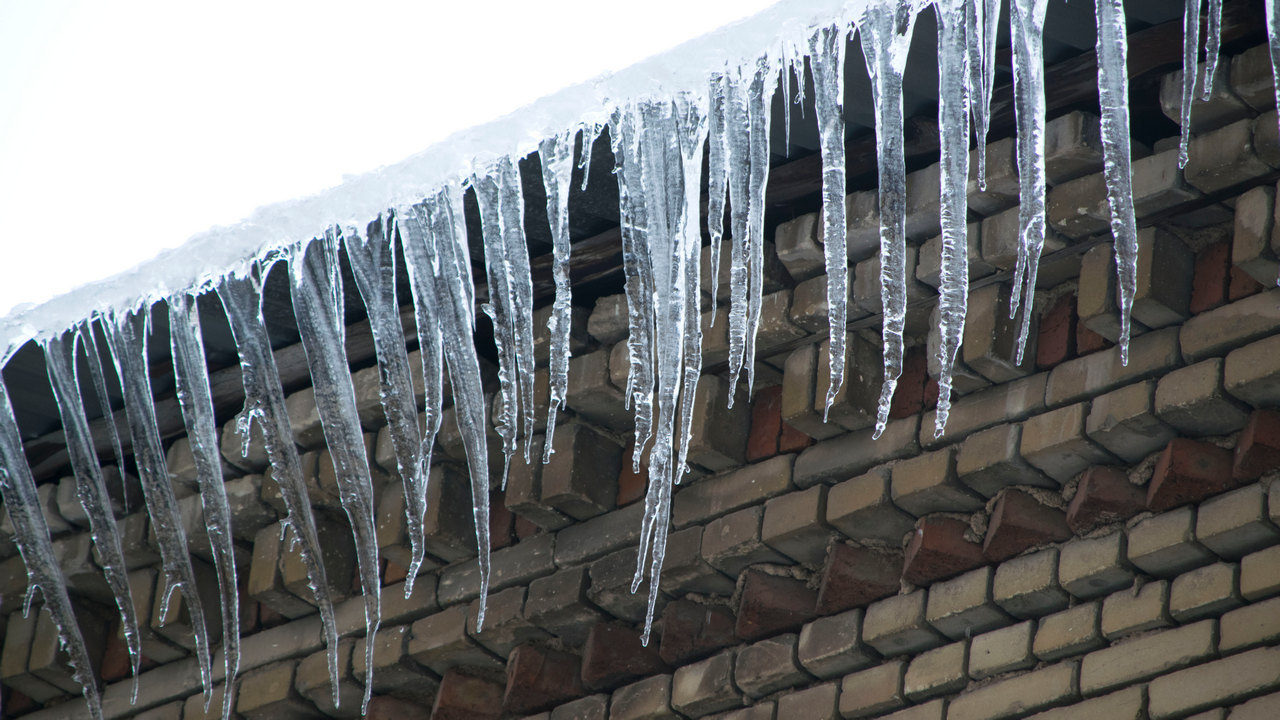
1113	94
192	377
982	21
826	61
954	102
318	308
241	295
1027	28
373	263
556	153
127	337
31	535
717	178
60	360
886	37
1212	46
1190	51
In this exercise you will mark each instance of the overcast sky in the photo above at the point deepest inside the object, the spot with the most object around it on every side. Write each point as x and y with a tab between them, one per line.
127	127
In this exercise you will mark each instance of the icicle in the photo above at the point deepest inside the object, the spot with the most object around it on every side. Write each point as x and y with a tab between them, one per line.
886	38
510	301
1212	45
192	376
717	177
373	263
748	132
127	337
434	236
1272	11
318	308
590	133
1027	28
826	61
264	403
86	336
982	20
1190	49
31	534
691	125
1113	94
639	281
953	123
60	360
557	171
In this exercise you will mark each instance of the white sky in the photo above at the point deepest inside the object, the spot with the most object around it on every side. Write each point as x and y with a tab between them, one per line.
126	127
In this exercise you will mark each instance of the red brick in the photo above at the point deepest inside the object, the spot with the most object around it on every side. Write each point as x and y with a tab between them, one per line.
115	657
931	394
691	631
631	484
16	703
792	440
771	604
766	424
1018	522
388	708
1241	284
613	655
855	577
502	527
525	528
909	398
1057	341
1104	495
269	618
393	573
467	697
1088	341
1209	284
1187	471
539	678
1258	449
938	550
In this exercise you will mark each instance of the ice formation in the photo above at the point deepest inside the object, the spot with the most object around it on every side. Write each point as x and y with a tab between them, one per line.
715	103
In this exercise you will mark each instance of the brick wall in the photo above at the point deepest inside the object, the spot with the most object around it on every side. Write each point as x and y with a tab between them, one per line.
1086	539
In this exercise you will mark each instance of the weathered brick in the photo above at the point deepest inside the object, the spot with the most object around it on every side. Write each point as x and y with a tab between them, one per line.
963	606
731	543
1073	147
539	678
505	625
1251	80
1251	375
1123	422
766	424
266	582
771	604
929	262
592	707
1188	471
1001	190
1204	592
988	461
14	671
579	341
577	480
935	672
873	691
1096	304
831	646
991	336
441	643
519	564
1193	401
1027	586
897	625
964	380
862	509
1001	651
1150	355
395	674
1260	708
1158	183
705	687
648	699
768	666
1147	656
938	549
1056	443
523	495
1221	682
593	395
1093	567
1139	609
267	693
1020	521
465	696
795	525
1260	574
1213	275
799	383
854	453
594	538
1047	687
1224	157
1007	402
1127	704
1165	545
1078	208
1069	632
820	702
614	655
1164	268
1251	249
558	604
1236	523
927	483
685	569
719	434
1257	450
608	320
610	587
854	405
798	247
312	682
715	496
1103	496
774	274
1250	626
855	576
691	631
865	279
1219	330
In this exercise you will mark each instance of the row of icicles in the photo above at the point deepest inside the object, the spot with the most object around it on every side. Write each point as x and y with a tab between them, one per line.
658	146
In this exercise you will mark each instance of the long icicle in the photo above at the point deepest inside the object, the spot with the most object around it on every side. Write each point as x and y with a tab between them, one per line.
717	178
1190	49
241	296
759	115
1113	94
982	20
31	534
192	377
60	360
1212	46
1027	27
556	153
318	308
90	341
886	38
954	102
127	337
373	263
826	61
